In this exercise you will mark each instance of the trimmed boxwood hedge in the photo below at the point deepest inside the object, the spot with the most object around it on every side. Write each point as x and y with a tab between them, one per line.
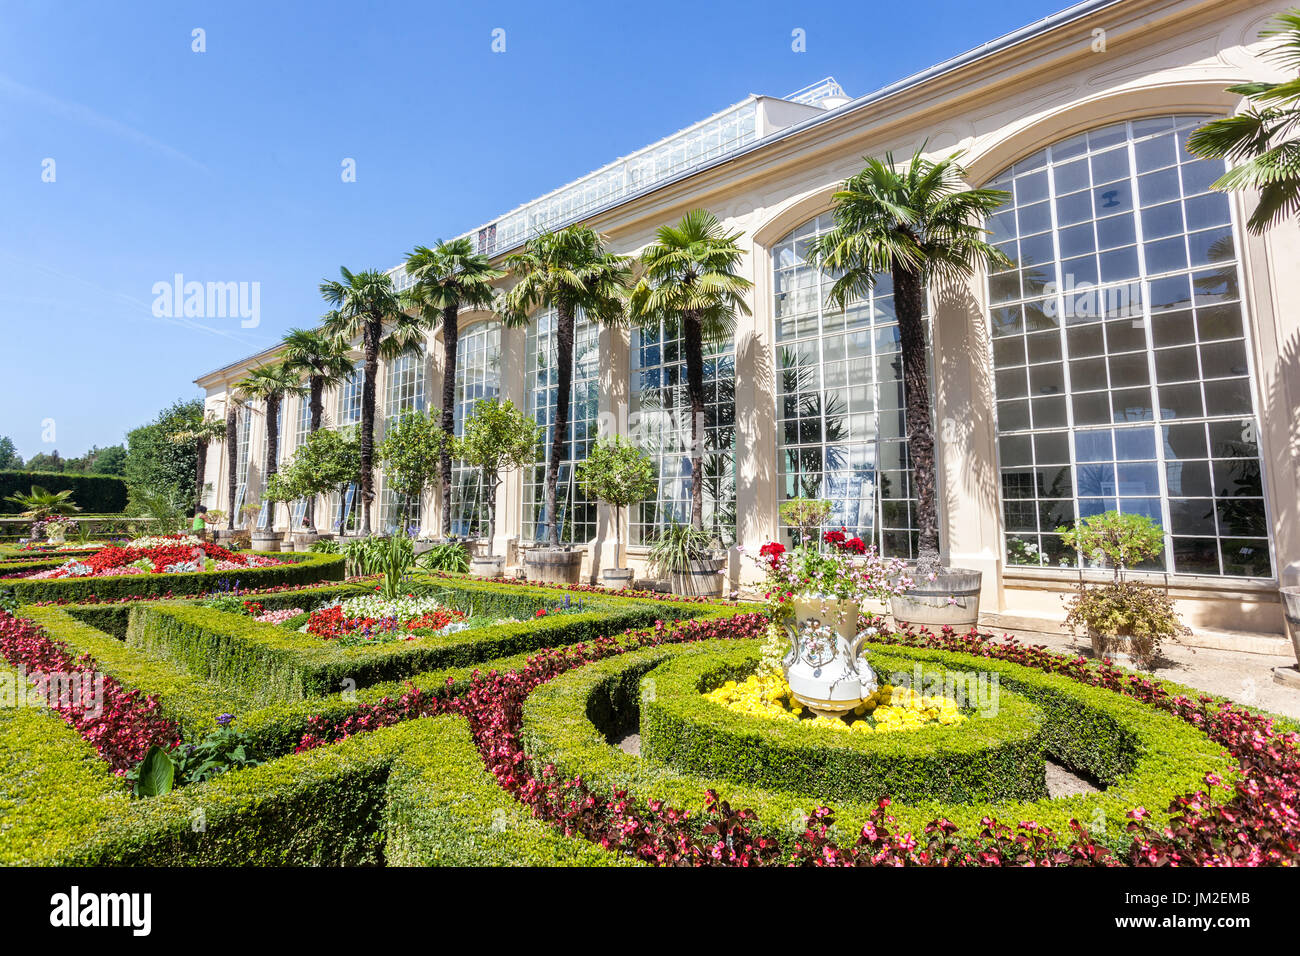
94	494
1142	756
302	569
414	794
269	663
995	757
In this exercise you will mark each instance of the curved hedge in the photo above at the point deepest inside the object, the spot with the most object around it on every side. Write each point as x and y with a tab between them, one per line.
1142	756
93	494
300	569
994	757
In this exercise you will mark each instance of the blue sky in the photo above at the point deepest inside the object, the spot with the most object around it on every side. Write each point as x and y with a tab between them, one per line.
225	165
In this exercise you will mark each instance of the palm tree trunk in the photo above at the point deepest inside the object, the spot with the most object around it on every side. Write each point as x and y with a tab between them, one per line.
232	462
374	329
909	302
450	341
200	472
272	436
317	412
693	345
563	395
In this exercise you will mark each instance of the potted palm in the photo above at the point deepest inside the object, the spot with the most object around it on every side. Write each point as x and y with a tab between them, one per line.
686	556
571	271
919	224
619	474
498	438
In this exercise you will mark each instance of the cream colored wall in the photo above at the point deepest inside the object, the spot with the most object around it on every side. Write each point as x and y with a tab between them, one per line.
1161	56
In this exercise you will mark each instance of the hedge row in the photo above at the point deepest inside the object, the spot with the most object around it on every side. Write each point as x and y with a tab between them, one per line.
993	757
415	794
301	569
96	494
1143	757
269	663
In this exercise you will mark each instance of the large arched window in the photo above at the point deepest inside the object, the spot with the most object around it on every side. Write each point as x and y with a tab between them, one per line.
577	515
1121	367
660	423
478	376
840	431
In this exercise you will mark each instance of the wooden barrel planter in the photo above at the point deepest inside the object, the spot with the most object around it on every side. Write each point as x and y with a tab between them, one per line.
703	578
616	579
303	540
266	541
487	565
553	565
952	599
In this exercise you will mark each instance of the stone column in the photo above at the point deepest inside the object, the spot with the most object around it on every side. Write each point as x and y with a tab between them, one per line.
510	498
756	438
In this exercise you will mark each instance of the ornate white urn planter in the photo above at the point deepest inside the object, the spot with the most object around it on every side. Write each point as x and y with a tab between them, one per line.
822	666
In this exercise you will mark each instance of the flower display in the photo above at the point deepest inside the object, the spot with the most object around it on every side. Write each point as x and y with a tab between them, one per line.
845	570
372	619
171	554
277	617
889	709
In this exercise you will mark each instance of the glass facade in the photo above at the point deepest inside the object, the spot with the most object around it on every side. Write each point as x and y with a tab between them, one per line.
1121	367
577	515
660	424
243	435
841	432
395	511
349	394
478	376
405	386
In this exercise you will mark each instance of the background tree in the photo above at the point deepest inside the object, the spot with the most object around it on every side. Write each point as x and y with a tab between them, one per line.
52	462
919	224
108	461
364	303
692	288
447	277
411	454
1262	139
269	384
323	358
199	432
570	271
619	474
9	457
157	464
498	439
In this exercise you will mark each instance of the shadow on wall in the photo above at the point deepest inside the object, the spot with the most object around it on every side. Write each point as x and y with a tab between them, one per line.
962	376
1281	401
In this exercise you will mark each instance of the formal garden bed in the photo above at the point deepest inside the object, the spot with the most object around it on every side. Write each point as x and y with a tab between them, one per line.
227	732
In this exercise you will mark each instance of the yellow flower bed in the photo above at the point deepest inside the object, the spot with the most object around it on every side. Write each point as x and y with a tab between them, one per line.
888	709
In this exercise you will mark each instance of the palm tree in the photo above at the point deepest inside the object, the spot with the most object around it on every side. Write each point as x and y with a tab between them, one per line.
919	224
362	304
270	384
203	432
1257	138
569	270
325	361
691	288
448	276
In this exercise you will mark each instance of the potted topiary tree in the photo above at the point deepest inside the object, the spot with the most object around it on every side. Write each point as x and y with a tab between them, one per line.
498	438
619	474
1121	617
805	516
411	455
327	461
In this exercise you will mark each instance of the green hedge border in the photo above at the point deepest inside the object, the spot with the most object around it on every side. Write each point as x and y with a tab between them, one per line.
411	795
304	569
998	757
1145	757
270	663
91	493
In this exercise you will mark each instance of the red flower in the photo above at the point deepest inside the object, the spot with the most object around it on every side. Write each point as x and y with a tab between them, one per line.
836	538
772	551
855	545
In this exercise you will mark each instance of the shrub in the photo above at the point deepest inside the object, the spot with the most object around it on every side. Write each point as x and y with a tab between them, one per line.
1125	616
94	494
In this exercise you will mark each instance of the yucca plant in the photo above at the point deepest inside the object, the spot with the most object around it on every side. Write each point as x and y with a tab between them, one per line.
40	503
